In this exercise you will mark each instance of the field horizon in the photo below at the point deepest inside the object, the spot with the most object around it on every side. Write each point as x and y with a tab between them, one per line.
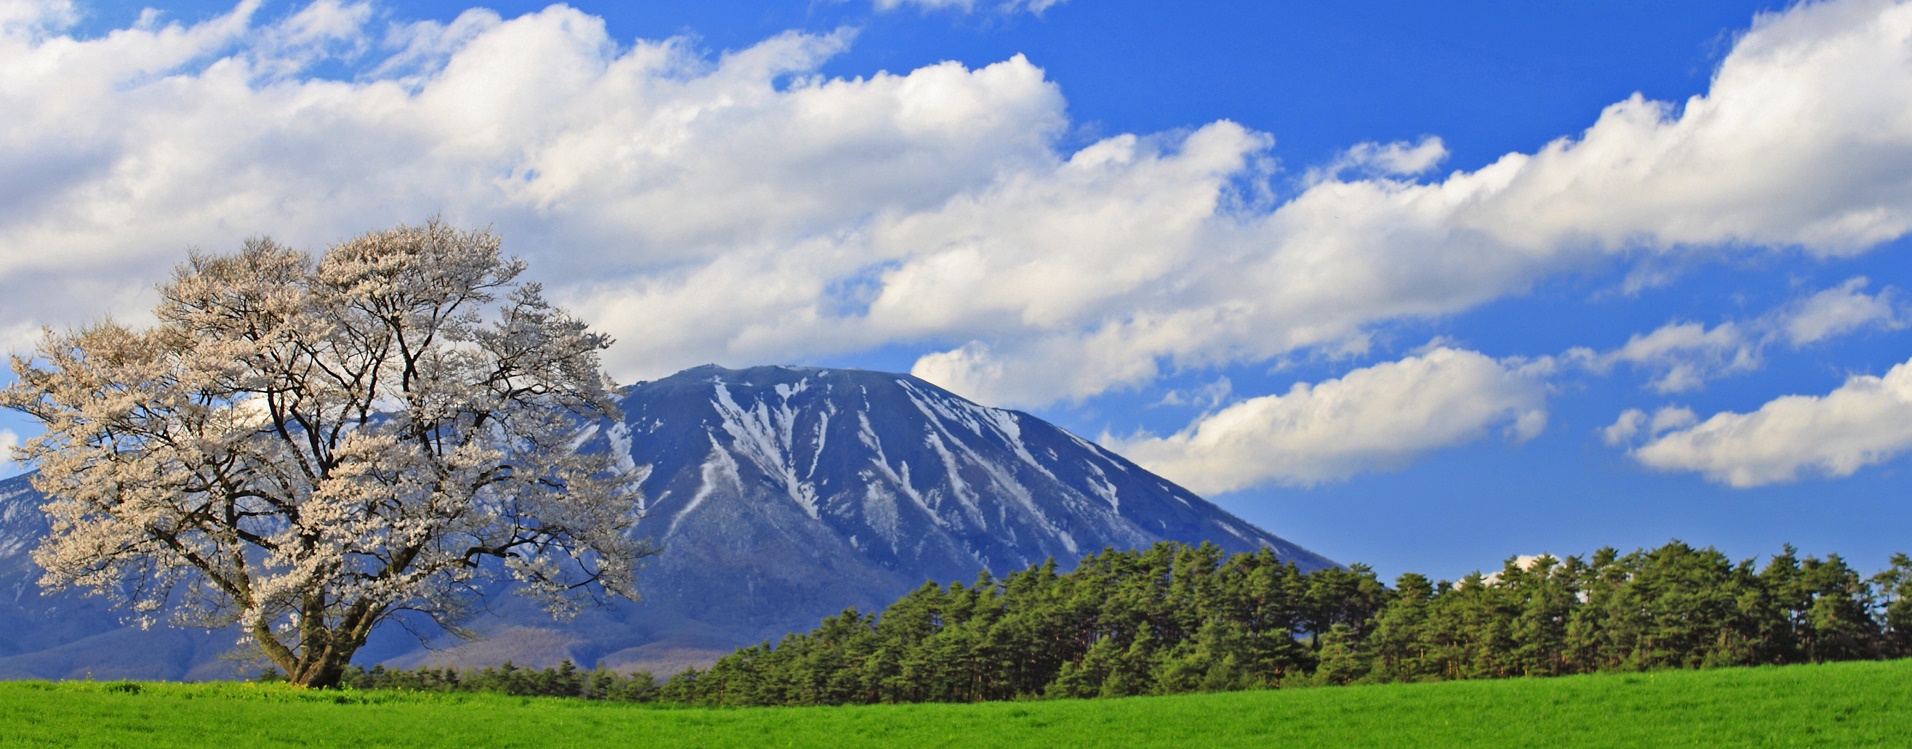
1865	703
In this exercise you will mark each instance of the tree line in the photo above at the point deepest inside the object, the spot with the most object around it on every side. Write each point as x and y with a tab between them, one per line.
566	680
1175	618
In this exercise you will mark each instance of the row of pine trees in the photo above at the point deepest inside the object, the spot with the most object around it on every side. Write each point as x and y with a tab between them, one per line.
564	680
1174	618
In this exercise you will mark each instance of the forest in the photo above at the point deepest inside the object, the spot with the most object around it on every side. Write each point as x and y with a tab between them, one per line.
1175	619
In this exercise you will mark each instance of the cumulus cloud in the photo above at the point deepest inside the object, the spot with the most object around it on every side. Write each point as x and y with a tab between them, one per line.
745	209
1730	169
1376	417
1683	356
624	174
1866	421
1843	309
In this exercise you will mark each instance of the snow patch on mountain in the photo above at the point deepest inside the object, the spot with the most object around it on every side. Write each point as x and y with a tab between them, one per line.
719	473
764	435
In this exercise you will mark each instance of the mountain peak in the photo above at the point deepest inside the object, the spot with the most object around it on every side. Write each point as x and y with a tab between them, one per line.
904	471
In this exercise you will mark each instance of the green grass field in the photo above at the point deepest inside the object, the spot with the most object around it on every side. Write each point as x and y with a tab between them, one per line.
1835	705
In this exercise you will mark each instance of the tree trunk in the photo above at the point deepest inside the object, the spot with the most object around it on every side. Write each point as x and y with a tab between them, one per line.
325	652
324	674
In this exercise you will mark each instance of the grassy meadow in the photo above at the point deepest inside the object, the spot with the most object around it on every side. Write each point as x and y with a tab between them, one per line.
1834	705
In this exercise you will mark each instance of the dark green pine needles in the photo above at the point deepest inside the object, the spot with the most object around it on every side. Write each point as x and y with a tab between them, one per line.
1176	619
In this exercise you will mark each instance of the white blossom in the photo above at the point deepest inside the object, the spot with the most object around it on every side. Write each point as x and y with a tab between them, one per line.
308	447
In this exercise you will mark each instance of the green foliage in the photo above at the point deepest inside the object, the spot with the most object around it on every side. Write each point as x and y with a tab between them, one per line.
566	680
1163	620
1177	619
1895	601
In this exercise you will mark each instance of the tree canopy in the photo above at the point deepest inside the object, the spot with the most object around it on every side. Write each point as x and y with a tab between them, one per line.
1173	619
310	446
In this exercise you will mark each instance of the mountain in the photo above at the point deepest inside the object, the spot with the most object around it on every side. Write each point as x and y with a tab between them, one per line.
71	635
780	495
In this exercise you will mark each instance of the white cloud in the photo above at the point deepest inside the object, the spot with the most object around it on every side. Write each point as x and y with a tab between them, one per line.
1208	396
35	18
322	30
1670	418
1398	159
1633	422
1625	428
1843	309
1377	417
966	6
8	443
621	173
746	209
1683	356
1780	152
1866	421
1785	110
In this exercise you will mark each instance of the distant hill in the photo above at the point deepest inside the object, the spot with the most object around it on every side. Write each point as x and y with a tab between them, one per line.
780	495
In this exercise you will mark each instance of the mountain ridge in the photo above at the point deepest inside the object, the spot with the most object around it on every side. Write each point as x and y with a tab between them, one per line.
781	495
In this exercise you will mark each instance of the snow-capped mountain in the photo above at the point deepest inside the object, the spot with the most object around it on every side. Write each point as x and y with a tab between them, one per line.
894	472
784	494
781	495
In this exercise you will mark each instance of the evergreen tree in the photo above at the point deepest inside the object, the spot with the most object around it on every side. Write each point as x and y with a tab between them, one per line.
1173	619
1400	643
1895	607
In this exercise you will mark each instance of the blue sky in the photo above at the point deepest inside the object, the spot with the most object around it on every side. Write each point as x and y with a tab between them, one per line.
1409	284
